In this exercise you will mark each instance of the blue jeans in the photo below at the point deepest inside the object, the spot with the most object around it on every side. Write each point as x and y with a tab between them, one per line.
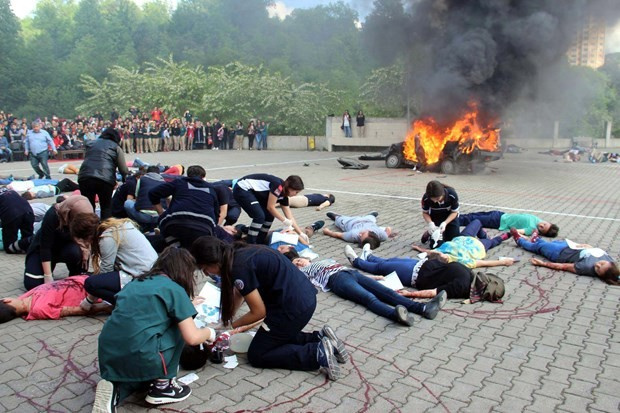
382	266
259	141
41	158
347	132
352	285
549	249
488	219
473	230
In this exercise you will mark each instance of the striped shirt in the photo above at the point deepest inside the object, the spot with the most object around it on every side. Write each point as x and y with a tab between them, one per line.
319	272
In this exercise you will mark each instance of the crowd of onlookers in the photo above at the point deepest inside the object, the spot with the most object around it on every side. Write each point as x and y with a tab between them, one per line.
140	131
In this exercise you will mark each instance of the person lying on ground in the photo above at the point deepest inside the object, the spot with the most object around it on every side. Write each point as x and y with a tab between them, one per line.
468	249
524	223
347	283
565	255
429	277
360	230
319	201
51	302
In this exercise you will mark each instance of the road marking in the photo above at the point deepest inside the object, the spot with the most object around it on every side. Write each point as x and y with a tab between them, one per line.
269	164
492	207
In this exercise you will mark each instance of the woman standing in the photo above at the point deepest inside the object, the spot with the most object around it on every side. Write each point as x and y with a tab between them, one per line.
346	124
239	135
440	210
361	124
190	136
278	293
251	135
63	236
141	342
97	176
258	195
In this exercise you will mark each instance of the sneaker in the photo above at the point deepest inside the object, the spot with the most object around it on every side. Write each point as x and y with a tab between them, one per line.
425	237
374	213
366	252
515	234
331	216
327	360
403	316
106	397
318	225
173	392
535	236
350	254
504	236
431	308
340	351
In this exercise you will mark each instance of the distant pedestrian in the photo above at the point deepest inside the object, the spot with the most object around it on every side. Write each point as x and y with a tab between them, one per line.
361	124
38	144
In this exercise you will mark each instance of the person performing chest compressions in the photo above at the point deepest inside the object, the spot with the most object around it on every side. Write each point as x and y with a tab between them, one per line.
258	195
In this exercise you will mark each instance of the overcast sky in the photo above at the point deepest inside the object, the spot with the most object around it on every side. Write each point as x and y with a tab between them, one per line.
23	8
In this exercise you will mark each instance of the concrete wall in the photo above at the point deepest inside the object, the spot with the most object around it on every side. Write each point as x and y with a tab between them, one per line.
291	143
380	132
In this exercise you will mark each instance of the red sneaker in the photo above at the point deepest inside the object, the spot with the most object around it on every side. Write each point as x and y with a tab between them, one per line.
535	236
504	236
515	234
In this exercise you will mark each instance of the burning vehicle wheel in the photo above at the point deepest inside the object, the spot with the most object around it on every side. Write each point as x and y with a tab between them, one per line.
448	167
393	160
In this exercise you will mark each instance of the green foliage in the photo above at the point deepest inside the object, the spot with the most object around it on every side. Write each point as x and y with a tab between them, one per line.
232	92
81	56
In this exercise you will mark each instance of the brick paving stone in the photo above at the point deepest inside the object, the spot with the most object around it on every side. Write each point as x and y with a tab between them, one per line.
474	358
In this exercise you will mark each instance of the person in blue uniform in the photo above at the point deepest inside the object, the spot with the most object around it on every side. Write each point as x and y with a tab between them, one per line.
258	195
17	217
279	294
440	209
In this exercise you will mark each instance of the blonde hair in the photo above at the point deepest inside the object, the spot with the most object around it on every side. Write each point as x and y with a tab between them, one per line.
118	225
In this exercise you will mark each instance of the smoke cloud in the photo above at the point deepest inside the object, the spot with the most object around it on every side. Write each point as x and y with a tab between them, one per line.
496	53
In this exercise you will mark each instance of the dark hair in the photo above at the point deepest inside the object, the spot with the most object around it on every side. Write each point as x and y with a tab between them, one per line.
371	239
435	189
331	198
294	182
196	171
84	225
210	250
291	254
28	195
153	168
552	232
7	313
178	264
611	275
111	134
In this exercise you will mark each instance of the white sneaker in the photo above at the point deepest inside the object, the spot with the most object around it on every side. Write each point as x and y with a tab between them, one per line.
350	254
366	252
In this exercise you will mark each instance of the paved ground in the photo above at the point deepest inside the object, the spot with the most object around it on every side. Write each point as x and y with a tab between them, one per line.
552	346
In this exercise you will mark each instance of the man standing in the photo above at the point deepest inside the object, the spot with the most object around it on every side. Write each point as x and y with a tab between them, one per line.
36	144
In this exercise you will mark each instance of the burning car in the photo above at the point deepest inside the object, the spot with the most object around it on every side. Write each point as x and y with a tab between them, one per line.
465	146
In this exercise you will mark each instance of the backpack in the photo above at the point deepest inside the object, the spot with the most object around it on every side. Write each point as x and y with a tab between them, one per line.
486	287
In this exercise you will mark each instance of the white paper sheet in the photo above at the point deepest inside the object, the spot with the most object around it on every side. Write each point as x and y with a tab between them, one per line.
209	309
392	281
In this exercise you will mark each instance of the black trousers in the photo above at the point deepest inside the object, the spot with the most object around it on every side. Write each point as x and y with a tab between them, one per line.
93	187
286	346
261	218
69	253
184	234
104	286
23	224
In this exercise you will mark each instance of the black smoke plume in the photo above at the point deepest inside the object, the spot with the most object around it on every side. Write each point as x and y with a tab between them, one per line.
491	52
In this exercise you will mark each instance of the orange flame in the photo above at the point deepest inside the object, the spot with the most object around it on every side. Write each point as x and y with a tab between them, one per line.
432	138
